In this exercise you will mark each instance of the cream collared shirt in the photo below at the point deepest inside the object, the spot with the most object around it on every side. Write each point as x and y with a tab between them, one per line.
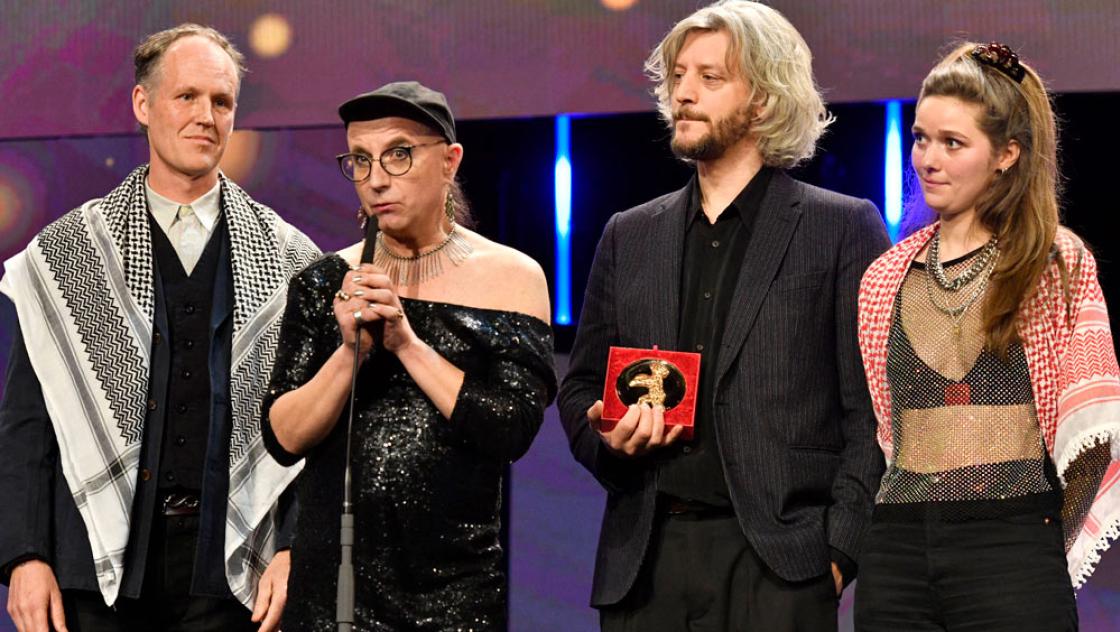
207	207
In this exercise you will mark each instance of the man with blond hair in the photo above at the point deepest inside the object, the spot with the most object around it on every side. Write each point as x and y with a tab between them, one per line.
137	494
754	524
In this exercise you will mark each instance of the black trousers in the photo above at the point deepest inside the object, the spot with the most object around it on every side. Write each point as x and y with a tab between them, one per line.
701	575
165	602
981	575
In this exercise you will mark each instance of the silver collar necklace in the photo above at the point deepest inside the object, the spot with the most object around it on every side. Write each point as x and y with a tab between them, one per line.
423	266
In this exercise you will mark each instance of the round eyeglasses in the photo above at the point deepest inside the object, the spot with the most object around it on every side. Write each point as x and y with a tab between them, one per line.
396	161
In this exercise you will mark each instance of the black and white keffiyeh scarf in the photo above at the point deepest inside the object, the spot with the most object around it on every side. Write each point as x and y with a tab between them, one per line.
83	291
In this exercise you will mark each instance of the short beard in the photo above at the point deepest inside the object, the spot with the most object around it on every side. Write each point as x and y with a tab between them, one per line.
725	133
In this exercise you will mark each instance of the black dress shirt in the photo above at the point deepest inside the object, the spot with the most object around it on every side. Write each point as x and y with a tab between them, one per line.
713	256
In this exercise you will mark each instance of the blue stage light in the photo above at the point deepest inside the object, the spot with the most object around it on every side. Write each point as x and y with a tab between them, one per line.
563	203
892	173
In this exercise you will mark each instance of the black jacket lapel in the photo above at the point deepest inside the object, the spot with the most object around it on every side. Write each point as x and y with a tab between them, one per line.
777	219
663	284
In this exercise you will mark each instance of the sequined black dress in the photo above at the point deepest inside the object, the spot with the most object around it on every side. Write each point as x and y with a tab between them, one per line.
427	490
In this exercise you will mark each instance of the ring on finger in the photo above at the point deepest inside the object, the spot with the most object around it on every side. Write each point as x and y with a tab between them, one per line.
342	295
400	314
358	317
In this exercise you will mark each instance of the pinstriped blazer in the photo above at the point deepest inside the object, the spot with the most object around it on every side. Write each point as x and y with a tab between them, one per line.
793	417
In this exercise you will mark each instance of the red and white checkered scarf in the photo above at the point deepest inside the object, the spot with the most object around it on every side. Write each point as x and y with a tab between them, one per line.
1072	363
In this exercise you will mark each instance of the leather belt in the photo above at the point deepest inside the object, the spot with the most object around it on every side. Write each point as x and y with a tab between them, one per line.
181	504
673	506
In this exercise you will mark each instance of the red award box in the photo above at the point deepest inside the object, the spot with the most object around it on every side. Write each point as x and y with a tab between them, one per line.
640	376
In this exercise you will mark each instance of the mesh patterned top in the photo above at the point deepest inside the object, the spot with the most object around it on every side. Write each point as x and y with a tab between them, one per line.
427	490
965	430
969	438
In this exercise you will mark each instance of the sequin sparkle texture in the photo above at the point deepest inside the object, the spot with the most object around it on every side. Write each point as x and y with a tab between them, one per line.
427	489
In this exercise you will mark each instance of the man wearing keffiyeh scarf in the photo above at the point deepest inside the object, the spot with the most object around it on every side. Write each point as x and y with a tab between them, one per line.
134	496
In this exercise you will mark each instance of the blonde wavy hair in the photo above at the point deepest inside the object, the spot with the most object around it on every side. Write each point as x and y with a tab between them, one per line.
771	55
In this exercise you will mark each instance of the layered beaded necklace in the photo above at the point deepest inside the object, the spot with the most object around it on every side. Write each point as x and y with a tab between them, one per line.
966	277
981	268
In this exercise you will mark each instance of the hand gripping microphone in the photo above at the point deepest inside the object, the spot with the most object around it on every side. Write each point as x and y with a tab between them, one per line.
344	600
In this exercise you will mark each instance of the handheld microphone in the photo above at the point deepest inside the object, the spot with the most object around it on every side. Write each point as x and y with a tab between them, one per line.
344	599
371	240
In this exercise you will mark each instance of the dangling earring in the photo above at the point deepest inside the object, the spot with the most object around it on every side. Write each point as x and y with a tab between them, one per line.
449	208
1000	172
363	219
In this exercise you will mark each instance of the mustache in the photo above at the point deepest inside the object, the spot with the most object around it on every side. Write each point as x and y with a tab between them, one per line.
686	114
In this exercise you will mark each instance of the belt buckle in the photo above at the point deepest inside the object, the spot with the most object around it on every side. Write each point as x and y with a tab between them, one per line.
677	507
180	504
674	506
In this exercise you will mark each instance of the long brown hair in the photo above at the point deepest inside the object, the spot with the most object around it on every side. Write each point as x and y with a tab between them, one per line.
1020	207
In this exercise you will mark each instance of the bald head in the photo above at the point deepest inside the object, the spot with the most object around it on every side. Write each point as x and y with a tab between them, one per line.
149	55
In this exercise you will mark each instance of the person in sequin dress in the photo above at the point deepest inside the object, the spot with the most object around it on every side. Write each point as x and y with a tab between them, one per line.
990	362
451	392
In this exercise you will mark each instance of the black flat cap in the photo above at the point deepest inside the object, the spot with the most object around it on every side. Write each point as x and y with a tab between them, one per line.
406	99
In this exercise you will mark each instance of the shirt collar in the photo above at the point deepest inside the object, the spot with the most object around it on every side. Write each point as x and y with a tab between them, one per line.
746	205
206	207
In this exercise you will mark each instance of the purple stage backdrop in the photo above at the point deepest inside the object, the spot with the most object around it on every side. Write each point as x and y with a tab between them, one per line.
64	65
555	505
65	74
